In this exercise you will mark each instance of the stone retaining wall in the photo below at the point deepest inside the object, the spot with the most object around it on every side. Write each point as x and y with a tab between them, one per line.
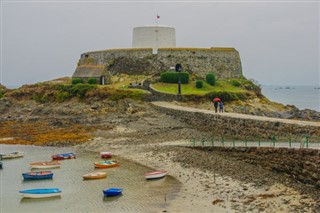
220	125
301	164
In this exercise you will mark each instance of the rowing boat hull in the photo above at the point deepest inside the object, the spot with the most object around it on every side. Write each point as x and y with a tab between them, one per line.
40	193
12	155
37	175
155	175
106	154
63	156
111	192
45	165
95	175
105	164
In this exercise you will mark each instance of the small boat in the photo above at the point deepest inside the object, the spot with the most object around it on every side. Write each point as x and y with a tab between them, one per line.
37	175
12	155
112	192
45	165
155	175
106	164
63	156
40	193
94	175
106	154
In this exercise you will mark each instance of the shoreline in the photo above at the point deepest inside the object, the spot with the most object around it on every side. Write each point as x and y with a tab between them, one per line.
136	131
206	191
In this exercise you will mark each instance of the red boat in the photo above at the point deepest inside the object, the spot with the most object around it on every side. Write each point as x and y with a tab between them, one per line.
106	154
63	156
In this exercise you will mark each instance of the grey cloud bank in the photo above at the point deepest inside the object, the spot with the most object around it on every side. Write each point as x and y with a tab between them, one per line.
278	41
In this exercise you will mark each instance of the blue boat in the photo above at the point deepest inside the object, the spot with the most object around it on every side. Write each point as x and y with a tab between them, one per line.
40	193
37	175
112	192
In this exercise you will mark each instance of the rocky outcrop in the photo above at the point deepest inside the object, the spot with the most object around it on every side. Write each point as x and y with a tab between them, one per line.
300	164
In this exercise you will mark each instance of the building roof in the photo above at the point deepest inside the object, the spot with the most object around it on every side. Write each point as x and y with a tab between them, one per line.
88	71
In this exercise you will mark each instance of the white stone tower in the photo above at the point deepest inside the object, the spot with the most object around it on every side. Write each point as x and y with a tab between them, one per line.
153	37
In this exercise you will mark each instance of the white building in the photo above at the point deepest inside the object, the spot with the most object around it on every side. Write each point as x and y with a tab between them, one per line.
154	37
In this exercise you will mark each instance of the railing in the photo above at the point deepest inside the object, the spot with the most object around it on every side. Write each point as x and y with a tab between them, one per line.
272	141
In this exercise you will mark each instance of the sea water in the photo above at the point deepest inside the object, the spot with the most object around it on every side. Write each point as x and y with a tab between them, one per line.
303	97
78	195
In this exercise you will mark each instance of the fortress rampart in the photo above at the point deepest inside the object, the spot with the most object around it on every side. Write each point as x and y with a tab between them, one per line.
224	62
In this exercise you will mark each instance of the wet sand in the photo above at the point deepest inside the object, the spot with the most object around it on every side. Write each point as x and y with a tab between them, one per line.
205	191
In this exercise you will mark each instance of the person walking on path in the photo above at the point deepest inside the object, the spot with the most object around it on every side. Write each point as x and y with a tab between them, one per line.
215	104
221	106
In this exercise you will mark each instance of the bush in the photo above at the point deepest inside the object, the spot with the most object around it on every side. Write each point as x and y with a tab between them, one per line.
40	97
77	81
228	96
80	90
173	77
211	79
92	81
68	91
199	84
61	96
235	83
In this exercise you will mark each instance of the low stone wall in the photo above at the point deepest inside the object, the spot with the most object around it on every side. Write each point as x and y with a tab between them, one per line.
220	125
160	96
301	164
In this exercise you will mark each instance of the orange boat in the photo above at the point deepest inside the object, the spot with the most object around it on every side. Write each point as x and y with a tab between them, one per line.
94	175
45	165
106	164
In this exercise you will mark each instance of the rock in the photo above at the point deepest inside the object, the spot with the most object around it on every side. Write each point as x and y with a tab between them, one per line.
215	201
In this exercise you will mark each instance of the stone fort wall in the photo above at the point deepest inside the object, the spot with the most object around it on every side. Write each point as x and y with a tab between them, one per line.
224	62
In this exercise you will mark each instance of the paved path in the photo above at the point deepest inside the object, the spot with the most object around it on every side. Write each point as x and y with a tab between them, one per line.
237	115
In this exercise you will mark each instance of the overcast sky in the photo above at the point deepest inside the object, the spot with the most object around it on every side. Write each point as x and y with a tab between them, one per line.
278	41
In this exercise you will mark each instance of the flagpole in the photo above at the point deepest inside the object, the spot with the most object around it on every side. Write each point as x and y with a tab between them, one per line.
158	17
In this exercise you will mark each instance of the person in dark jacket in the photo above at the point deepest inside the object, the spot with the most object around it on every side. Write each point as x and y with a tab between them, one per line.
215	104
221	106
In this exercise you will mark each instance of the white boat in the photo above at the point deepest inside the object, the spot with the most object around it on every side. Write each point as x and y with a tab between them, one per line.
155	175
45	165
40	193
12	155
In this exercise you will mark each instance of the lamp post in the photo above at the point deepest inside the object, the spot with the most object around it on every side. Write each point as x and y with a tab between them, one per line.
179	70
